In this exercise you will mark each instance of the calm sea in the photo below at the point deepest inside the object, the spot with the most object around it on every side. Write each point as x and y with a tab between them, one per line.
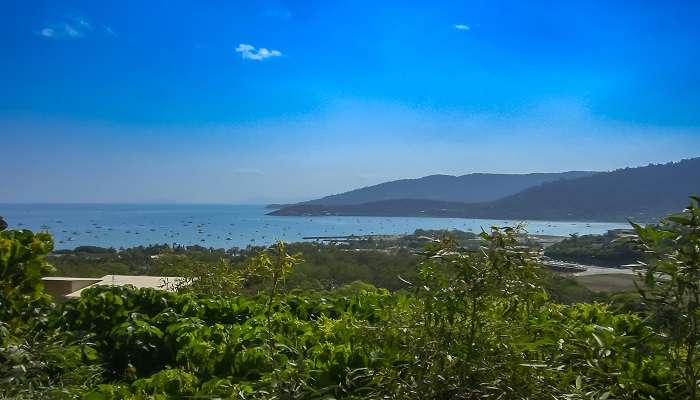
226	226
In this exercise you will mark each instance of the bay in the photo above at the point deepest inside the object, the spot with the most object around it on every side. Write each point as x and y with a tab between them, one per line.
226	226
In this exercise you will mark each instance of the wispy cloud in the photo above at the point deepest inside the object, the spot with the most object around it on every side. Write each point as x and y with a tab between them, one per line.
67	28
71	28
46	32
109	31
249	52
462	27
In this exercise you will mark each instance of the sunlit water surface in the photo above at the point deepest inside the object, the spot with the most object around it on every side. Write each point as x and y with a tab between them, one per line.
226	226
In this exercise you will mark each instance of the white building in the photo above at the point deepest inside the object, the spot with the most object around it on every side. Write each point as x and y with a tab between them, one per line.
62	288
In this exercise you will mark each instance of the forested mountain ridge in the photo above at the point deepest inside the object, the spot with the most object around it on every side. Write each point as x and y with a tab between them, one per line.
642	193
471	188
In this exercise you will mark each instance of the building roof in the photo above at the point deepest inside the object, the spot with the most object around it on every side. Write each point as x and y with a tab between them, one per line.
68	278
138	281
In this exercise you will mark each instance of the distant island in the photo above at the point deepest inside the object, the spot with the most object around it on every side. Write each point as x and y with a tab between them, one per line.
642	193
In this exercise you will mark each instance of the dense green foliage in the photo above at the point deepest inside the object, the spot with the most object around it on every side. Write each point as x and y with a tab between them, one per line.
470	324
673	281
323	266
610	249
387	263
36	361
22	265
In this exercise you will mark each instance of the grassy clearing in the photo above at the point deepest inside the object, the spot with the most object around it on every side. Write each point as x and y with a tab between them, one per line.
609	283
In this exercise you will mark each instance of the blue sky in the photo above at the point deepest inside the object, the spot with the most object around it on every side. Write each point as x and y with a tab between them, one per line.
245	102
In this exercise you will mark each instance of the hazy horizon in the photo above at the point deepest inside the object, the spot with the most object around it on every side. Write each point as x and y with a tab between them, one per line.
284	101
272	201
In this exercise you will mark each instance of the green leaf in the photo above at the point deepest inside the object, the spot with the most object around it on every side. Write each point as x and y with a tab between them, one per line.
94	396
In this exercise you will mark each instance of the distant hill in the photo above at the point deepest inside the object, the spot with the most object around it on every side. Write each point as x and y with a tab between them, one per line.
385	208
643	193
472	188
277	206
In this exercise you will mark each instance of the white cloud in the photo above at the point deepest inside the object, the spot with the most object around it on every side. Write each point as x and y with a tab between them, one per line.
68	28
109	31
71	31
47	33
249	52
462	27
61	31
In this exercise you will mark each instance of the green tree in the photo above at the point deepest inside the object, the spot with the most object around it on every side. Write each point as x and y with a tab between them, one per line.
221	278
672	277
22	265
35	360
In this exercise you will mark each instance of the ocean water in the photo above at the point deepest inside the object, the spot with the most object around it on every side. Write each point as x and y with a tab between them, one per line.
226	226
